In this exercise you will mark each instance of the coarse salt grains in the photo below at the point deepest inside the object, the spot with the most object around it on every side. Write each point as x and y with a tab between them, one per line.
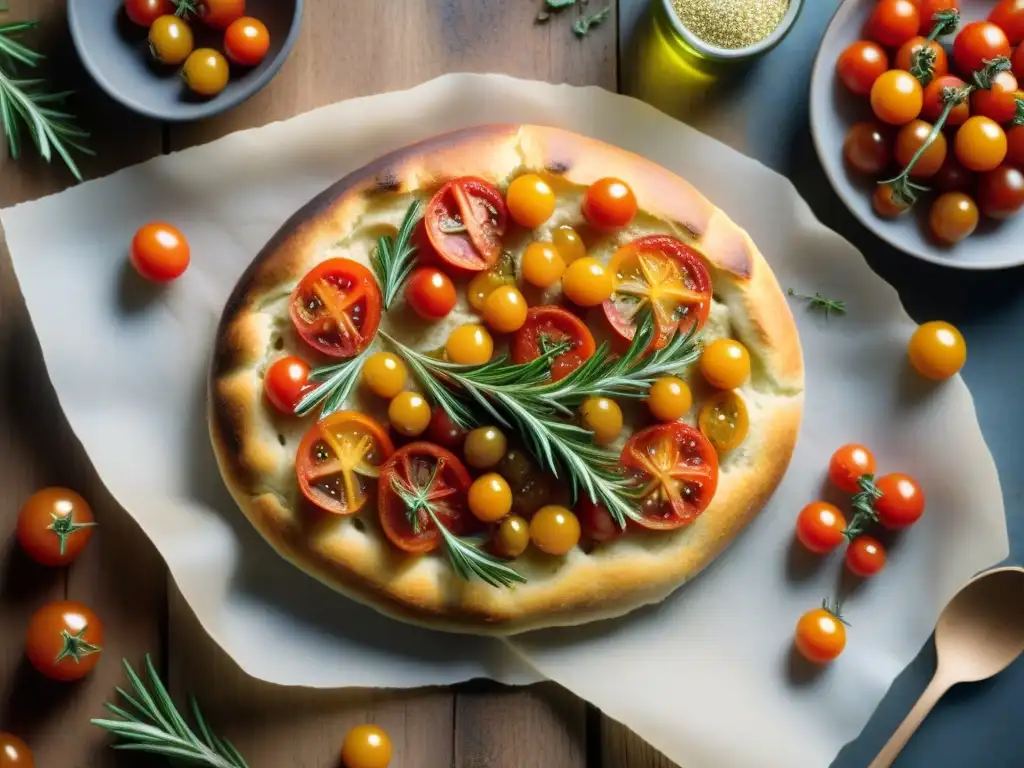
731	23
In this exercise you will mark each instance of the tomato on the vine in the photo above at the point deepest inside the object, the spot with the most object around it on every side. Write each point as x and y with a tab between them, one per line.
868	147
927	10
820	526
247	41
336	308
285	382
145	12
860	64
908	52
976	43
911	138
885	203
206	72
547	327
893	22
953	217
932	104
465	221
902	501
980	144
64	641
160	252
896	97
54	526
220	13
15	753
1001	192
431	293
1008	15
677	470
865	556
609	203
820	635
998	102
366	746
848	464
338	460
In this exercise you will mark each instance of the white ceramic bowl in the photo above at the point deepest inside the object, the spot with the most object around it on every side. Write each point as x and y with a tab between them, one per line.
995	245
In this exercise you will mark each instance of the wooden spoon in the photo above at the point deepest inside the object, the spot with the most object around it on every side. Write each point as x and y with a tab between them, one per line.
980	632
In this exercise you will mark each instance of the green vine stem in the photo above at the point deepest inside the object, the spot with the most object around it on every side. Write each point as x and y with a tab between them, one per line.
1018	119
922	66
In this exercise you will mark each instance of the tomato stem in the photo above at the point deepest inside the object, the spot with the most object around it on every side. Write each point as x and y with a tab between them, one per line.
64	527
863	505
1018	119
923	64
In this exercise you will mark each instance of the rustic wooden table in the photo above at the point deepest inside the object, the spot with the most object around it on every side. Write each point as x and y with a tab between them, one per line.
346	49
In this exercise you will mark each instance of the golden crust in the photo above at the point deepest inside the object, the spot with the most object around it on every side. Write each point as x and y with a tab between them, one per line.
255	452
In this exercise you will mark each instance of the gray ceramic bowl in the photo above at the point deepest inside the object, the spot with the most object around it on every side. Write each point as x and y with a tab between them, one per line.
116	53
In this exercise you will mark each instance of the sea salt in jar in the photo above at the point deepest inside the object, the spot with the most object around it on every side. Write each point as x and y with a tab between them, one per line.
728	30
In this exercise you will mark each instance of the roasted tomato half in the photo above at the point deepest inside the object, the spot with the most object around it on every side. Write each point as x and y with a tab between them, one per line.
420	477
546	327
465	221
338	460
336	308
662	273
676	469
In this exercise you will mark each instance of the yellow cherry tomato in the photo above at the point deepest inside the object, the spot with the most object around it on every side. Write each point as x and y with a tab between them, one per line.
409	414
603	417
554	530
469	344
484	447
587	283
490	497
669	399
530	200
481	286
206	72
512	537
725	364
505	309
724	421
937	350
170	40
384	374
569	244
366	746
542	264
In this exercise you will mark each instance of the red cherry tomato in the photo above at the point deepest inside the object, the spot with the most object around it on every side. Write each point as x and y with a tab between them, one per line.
596	521
431	293
867	147
952	176
908	52
933	104
1008	15
1015	146
65	641
220	13
893	22
286	381
443	431
549	326
1018	62
54	526
15	753
160	252
976	43
820	526
336	308
609	203
865	556
998	102
1001	192
246	41
848	464
860	64
902	501
145	12
820	635
465	221
927	10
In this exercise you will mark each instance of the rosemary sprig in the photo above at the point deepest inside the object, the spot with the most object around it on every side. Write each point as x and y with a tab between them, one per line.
154	725
394	257
581	28
24	106
823	304
863	505
337	382
944	22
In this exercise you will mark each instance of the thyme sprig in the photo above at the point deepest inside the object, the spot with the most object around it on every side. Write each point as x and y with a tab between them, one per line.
336	383
821	303
945	22
863	505
394	257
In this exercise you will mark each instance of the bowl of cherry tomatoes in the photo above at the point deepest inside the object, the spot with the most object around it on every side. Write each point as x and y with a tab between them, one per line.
181	60
917	115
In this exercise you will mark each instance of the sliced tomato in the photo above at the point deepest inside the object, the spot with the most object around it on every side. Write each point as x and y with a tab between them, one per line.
439	479
339	459
677	472
546	327
662	273
336	308
465	221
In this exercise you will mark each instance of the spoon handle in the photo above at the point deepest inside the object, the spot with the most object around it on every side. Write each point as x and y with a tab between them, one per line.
935	690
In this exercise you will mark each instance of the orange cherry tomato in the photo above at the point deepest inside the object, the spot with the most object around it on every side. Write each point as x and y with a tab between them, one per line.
976	43
246	41
885	203
980	144
896	97
366	746
908	55
927	10
893	22
64	641
609	203
868	147
1001	192
932	103
285	382
865	556
902	501
860	64
820	635
336	308
160	252
998	102
54	526
848	464
953	217
1008	15
820	526
15	753
910	139
220	13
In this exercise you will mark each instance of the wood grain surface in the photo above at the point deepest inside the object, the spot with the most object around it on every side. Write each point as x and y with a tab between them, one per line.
346	49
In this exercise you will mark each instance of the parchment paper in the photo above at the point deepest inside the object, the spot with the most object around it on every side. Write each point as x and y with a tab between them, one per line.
707	676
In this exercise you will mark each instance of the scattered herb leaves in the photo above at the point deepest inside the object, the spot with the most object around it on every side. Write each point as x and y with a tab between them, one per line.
821	303
583	25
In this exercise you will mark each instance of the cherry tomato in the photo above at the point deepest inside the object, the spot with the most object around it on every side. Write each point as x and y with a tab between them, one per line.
848	464
865	556
927	10
868	147
587	283
490	498
937	350
554	530
511	538
469	344
170	40
366	746
669	398
998	102
724	420
484	447
893	22
338	460
1015	145
1008	15
885	203
160	252
246	41
896	97
902	501
953	216
483	283
933	104
1001	192
609	203
285	383
220	13
976	43
54	526
677	470
145	12
952	176
549	326
206	72
542	264
436	476
820	526
336	308
15	753
596	521
505	309
860	64
725	364
65	641
820	635
910	138
385	374
530	200
569	243
431	293
980	144
409	414
664	274
445	432
910	53
1018	62
465	221
603	417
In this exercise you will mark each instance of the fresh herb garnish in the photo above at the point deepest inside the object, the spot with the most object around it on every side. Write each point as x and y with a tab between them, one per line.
394	257
156	727
863	505
337	382
822	303
582	26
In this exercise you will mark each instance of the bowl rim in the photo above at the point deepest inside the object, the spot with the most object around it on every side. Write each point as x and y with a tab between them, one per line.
213	107
733	54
